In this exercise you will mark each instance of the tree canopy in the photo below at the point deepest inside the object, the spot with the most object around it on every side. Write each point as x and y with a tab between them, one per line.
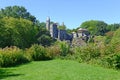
17	32
62	27
19	28
95	27
113	27
17	12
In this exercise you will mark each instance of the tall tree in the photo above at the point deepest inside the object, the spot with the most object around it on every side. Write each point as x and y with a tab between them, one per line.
95	27
19	28
62	27
17	32
113	27
17	12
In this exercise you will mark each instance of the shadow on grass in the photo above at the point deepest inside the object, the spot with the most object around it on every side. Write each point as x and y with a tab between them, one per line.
4	73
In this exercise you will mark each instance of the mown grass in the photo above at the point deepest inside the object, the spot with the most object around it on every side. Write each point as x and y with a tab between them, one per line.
58	70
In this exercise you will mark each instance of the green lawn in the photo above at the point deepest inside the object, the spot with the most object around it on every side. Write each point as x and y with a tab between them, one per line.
58	70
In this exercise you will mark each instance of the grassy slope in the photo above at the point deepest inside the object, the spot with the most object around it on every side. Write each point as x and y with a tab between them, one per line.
58	70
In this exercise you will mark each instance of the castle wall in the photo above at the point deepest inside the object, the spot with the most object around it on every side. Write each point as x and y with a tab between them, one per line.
62	35
75	35
54	30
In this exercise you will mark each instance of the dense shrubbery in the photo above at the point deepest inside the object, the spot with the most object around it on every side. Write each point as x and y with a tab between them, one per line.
111	61
106	55
37	52
87	53
64	48
100	52
12	56
53	51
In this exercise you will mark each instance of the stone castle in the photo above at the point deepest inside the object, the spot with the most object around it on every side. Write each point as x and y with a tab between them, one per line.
59	34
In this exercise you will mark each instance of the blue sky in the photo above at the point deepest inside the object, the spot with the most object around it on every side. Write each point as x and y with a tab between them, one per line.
71	12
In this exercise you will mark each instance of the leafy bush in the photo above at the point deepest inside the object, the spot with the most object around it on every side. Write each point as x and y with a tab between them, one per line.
109	49
64	48
53	51
37	52
111	61
17	32
1	60
12	56
45	40
86	53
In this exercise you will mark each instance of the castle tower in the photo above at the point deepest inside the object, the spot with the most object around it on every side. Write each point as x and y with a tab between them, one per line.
63	24
54	30
48	24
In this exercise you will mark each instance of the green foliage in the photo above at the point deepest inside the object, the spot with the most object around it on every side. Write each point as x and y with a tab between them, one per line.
109	36
42	25
69	31
64	48
38	52
12	56
87	53
113	27
99	40
17	32
1	60
62	27
53	51
112	61
17	12
113	51
99	53
19	28
116	38
95	27
45	40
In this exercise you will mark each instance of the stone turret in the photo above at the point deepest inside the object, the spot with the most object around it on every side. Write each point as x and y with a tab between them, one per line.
63	24
48	24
